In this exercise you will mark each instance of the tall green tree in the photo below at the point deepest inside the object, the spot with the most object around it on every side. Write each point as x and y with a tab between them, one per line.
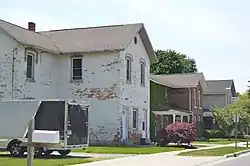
170	62
224	116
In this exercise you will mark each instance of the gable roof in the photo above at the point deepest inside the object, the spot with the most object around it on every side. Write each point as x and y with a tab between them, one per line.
78	40
28	37
221	86
182	80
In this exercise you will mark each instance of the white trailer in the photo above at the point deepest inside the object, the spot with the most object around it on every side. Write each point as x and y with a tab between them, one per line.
70	118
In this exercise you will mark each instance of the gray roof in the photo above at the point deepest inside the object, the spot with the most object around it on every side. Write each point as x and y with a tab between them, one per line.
220	86
27	37
179	80
92	39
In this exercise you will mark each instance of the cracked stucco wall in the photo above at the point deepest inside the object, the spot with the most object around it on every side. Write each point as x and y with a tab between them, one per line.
18	87
104	85
134	95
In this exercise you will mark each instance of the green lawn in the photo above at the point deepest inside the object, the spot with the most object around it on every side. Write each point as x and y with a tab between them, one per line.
128	150
9	161
221	141
213	152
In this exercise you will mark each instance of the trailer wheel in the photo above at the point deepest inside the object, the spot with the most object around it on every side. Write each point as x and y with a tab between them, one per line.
15	149
47	152
64	152
38	151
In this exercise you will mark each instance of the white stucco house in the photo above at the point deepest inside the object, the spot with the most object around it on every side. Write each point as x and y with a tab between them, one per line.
107	66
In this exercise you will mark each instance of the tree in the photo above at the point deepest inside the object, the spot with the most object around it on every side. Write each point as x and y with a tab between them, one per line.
224	116
170	62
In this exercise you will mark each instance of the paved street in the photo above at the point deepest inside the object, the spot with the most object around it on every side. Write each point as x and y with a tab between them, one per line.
243	160
161	159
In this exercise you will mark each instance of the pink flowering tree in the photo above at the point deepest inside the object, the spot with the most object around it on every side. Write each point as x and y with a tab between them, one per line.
181	132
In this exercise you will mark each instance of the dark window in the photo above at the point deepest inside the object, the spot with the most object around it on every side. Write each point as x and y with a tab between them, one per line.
77	68
128	69
185	119
134	119
30	66
143	126
143	73
135	40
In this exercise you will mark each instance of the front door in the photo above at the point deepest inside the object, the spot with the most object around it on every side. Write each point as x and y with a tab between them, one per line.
144	124
124	126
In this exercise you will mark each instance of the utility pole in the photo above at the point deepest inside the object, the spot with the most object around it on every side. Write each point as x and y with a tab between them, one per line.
236	121
30	149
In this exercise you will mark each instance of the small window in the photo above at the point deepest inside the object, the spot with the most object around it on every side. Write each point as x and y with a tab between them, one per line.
135	40
194	96
143	66
77	68
30	65
135	117
143	126
128	69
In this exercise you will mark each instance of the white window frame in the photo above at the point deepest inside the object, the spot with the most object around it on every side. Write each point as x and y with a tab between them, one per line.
195	120
128	69
199	118
33	55
166	94
195	97
136	118
72	67
143	72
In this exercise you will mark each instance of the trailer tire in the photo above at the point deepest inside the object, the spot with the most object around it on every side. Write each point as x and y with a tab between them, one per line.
38	151
15	148
47	152
64	152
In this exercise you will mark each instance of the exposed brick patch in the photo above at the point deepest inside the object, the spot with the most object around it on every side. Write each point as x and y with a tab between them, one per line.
96	93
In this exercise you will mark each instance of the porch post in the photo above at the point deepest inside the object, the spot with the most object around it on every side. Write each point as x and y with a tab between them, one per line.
173	118
162	122
181	118
188	118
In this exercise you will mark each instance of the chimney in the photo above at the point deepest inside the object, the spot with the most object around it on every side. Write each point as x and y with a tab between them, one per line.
32	26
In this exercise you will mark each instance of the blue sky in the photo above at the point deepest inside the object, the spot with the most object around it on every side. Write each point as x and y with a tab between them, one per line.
214	32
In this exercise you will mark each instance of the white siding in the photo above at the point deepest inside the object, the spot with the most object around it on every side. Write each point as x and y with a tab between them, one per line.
217	100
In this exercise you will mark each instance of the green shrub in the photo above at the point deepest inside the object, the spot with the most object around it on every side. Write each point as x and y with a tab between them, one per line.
206	134
216	133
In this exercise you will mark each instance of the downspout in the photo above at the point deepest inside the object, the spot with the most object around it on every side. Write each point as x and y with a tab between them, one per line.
189	99
13	73
190	102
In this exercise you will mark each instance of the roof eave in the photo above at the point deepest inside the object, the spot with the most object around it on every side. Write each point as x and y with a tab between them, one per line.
148	45
96	51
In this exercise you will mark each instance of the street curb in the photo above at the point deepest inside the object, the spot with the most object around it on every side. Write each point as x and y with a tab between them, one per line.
236	154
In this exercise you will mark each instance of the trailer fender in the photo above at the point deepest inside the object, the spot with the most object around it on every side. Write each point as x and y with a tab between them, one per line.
11	142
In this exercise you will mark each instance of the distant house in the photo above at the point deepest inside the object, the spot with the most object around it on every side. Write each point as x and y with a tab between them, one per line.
220	93
107	66
177	98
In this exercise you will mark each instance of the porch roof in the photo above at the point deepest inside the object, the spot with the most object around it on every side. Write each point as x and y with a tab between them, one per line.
173	112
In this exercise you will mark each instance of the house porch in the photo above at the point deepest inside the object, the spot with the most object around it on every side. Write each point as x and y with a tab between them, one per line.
164	118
